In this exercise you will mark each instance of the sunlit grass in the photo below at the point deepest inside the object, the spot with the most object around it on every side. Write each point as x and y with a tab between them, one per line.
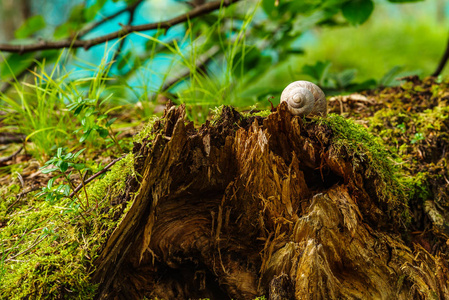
38	108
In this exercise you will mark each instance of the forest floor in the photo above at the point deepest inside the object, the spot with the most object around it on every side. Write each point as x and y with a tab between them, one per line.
50	236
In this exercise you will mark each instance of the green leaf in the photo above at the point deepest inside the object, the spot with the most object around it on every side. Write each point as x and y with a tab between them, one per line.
295	51
62	31
59	152
102	132
78	110
365	85
93	10
418	137
90	111
389	77
78	153
319	71
357	11
49	162
404	1
50	182
49	198
85	135
15	64
79	167
345	77
65	189
77	16
31	25
41	193
63	166
46	171
109	122
269	8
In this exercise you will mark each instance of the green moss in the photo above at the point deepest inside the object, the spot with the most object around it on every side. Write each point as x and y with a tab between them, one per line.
415	139
46	251
114	181
147	131
365	148
257	113
216	113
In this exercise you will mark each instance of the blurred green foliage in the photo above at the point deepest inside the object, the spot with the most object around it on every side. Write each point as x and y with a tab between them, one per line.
240	55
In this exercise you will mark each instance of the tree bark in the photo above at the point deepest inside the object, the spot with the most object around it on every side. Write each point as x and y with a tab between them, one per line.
245	207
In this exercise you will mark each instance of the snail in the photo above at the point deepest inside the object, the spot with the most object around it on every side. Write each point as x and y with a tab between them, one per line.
304	99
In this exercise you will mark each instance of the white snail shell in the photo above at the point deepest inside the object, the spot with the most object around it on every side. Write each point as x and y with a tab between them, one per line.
305	99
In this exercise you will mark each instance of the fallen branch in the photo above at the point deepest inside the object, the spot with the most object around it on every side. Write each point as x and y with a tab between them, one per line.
10	138
86	44
7	158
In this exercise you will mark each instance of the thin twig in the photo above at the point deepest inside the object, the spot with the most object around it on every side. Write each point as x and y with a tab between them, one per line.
108	18
79	35
80	186
132	11
19	196
28	249
199	64
86	44
443	61
7	158
34	188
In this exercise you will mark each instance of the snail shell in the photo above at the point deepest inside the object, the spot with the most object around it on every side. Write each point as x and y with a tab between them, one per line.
305	99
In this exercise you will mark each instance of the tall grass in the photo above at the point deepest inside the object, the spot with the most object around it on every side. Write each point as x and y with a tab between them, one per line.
37	108
214	83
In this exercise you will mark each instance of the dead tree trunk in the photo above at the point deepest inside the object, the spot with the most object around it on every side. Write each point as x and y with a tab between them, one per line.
257	206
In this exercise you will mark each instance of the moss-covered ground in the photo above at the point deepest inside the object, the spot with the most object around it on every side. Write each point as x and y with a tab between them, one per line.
410	122
47	248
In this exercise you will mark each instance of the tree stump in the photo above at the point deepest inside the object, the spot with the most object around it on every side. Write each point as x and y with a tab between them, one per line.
251	206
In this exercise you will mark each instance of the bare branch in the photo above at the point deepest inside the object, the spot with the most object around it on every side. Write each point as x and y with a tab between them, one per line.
104	20
7	158
200	63
86	44
443	61
131	8
132	11
9	138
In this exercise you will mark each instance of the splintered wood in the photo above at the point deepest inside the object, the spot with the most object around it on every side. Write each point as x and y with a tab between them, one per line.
255	206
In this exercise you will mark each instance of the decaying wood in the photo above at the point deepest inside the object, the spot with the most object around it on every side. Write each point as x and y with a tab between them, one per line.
257	206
